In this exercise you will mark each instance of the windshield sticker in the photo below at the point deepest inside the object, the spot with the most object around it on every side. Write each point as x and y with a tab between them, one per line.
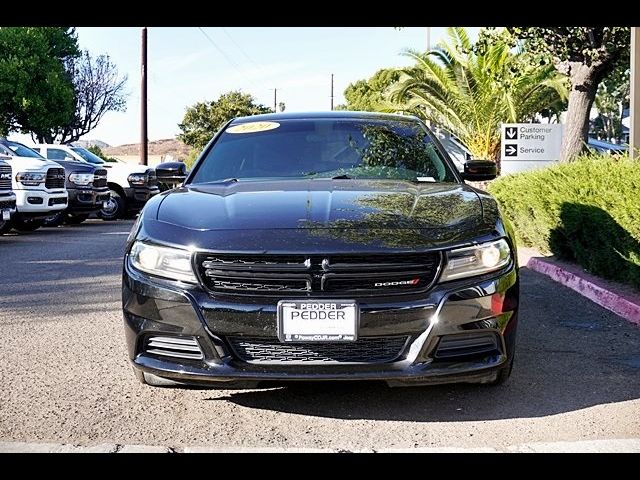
426	179
253	127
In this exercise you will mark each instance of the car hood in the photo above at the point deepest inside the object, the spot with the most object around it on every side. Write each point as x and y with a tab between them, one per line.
21	164
76	167
125	168
320	214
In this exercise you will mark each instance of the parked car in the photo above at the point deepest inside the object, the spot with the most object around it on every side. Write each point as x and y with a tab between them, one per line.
328	246
131	186
7	197
39	187
85	184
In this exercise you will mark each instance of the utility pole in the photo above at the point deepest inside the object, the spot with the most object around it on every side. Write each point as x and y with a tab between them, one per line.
275	100
332	91
143	102
634	104
428	38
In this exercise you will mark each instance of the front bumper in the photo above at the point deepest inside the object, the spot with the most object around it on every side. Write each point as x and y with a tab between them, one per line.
137	197
484	304
87	200
41	201
7	203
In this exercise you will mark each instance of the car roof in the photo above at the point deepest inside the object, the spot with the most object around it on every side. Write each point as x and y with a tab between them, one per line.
335	114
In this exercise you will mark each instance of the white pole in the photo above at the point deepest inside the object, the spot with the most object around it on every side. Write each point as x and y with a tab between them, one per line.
634	130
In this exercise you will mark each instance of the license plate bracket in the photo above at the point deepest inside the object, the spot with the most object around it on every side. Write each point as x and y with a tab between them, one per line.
6	215
318	320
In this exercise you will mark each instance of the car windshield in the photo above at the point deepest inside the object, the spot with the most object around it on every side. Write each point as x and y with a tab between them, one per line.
21	150
324	148
88	156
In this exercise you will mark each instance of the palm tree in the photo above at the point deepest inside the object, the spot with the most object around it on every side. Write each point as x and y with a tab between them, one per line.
470	91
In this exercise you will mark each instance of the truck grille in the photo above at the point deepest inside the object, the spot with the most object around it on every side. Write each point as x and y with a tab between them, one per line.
7	205
300	275
55	178
364	350
152	180
100	178
5	177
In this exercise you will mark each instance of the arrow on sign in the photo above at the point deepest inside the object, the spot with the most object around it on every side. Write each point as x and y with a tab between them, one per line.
511	150
511	132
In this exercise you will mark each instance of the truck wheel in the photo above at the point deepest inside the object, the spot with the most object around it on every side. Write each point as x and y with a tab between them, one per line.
504	374
115	207
5	227
75	219
55	220
27	225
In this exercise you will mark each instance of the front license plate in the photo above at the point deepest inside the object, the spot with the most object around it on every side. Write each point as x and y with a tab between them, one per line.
318	320
6	215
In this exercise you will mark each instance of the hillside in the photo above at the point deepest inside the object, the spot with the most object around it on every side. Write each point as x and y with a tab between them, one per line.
167	146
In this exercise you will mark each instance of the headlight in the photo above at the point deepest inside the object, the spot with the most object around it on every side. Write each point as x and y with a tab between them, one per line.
137	178
476	260
28	178
166	262
81	178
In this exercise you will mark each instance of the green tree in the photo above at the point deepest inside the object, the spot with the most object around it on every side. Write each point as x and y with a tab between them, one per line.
36	91
204	119
611	100
469	90
369	95
586	55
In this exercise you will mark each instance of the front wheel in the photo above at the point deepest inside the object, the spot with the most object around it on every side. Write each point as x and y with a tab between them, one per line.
5	226
114	208
27	225
504	374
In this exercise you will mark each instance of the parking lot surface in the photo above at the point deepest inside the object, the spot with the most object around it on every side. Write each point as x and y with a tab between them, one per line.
65	374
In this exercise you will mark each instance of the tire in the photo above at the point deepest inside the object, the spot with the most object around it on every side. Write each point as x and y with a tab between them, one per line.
30	225
5	226
116	207
76	219
153	380
503	374
55	220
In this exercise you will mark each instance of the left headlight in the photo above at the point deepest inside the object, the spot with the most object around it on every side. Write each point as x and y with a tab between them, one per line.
81	178
476	260
137	179
167	262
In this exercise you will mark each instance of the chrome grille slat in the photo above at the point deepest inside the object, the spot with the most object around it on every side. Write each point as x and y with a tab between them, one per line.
55	178
5	183
175	347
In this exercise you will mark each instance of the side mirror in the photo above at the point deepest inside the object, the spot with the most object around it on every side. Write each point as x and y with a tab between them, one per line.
68	158
476	170
171	173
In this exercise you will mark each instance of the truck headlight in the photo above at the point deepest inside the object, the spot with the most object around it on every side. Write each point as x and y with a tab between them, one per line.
166	262
137	179
31	178
476	260
81	178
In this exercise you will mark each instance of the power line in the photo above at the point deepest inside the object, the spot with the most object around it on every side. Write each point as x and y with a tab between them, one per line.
242	51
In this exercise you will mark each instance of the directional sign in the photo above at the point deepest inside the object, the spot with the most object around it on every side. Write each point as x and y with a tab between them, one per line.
533	142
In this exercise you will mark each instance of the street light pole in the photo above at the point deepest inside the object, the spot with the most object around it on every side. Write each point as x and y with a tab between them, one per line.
634	104
144	152
332	91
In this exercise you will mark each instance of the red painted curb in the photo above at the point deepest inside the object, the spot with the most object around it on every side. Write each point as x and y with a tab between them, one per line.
612	301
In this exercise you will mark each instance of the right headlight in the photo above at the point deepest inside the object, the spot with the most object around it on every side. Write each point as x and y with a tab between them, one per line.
82	179
167	262
137	179
30	178
477	260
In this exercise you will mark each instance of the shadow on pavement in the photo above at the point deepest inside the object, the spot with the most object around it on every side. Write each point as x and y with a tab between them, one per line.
571	355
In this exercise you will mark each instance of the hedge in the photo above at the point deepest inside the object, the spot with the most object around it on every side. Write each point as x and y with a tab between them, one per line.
587	211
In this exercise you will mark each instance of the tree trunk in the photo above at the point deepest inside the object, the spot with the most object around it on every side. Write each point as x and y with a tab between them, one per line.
584	84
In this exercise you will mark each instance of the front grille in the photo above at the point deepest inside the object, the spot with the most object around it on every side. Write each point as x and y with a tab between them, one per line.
55	178
5	177
176	347
152	180
7	204
364	350
100	178
57	201
330	275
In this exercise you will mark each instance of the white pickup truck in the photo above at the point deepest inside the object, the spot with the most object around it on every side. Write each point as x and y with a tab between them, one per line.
130	185
7	197
39	186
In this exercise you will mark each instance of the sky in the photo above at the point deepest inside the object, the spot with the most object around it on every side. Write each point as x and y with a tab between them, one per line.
188	64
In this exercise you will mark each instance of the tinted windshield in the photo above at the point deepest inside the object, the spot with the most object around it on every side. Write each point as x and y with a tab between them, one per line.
88	156
22	150
324	148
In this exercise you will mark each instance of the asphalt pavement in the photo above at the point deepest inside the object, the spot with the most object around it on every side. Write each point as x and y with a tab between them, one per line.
66	379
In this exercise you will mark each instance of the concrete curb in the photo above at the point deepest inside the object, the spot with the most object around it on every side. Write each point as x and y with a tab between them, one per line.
622	445
612	301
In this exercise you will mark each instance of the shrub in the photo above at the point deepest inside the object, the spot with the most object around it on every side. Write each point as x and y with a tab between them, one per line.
586	211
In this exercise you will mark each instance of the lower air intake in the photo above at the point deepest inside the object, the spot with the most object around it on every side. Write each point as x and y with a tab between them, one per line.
458	346
176	347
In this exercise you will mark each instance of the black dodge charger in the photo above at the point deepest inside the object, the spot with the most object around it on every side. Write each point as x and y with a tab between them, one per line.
323	246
